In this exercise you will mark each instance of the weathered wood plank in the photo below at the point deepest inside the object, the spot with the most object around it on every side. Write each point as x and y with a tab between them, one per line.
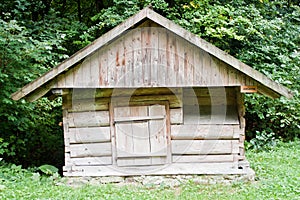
116	92
241	113
80	105
138	118
132	137
113	135
128	59
129	155
162	57
157	133
201	147
204	101
111	65
173	99
176	116
93	149
65	125
91	134
154	52
175	168
205	132
90	161
94	72
189	65
198	68
137	58
120	62
141	161
209	91
146	55
102	63
170	55
124	140
202	158
210	115
141	142
87	119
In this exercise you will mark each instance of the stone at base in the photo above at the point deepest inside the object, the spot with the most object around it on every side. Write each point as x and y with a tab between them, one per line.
167	180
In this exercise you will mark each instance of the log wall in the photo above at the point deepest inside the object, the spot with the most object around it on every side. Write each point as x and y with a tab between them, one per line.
211	130
203	125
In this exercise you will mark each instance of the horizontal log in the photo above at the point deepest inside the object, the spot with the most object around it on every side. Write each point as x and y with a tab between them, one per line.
121	162
211	91
138	118
210	115
93	150
205	101
207	132
119	92
86	119
80	105
123	154
202	158
90	161
174	101
176	116
204	147
169	169
91	134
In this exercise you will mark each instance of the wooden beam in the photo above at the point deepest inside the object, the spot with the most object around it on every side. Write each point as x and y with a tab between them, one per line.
90	149
168	169
87	135
204	147
205	132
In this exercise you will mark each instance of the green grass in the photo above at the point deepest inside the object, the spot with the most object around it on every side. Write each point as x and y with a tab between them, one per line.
277	174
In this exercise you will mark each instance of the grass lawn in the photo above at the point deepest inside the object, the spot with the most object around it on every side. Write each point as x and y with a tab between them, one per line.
277	174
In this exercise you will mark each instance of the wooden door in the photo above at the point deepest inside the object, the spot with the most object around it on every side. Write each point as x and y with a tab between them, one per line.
140	135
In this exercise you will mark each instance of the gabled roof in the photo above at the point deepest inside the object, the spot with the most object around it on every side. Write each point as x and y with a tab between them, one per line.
271	88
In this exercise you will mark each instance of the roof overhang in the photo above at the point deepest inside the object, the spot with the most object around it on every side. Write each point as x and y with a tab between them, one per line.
43	84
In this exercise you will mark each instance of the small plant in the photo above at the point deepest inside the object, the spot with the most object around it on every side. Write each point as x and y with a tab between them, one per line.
49	170
263	141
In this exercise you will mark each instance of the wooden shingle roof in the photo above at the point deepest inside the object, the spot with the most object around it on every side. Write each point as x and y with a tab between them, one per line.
44	84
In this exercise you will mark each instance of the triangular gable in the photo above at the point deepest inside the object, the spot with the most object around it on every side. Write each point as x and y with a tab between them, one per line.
43	84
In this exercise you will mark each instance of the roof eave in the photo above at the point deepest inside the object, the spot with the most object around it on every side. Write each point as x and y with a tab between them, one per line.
147	13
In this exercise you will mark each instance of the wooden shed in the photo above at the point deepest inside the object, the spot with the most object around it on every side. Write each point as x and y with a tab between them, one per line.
149	97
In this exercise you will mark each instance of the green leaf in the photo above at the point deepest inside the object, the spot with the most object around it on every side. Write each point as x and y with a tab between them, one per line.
48	169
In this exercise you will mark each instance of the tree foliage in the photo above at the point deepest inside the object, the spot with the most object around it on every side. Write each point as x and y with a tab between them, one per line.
36	35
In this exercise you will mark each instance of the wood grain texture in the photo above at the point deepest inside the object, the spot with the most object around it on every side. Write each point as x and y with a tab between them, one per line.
201	147
141	136
93	149
90	161
205	132
202	158
88	119
89	135
175	168
267	86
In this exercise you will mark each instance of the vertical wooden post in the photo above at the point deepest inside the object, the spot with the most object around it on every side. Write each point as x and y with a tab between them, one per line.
241	112
65	98
168	133
112	134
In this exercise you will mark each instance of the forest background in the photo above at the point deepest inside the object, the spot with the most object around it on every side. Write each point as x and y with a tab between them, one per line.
36	35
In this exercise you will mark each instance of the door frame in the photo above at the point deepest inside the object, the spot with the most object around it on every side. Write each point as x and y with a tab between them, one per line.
112	105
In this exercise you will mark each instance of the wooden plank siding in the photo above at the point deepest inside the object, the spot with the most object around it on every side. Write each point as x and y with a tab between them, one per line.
89	128
151	57
170	169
